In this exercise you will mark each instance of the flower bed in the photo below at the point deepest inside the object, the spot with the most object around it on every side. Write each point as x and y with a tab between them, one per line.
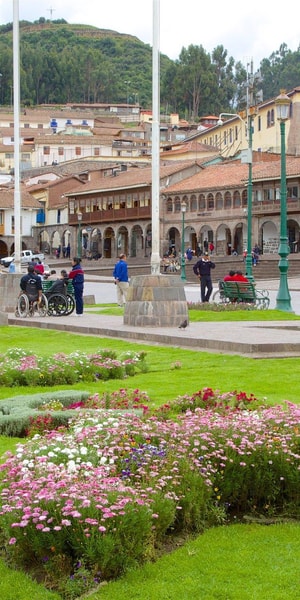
18	368
108	489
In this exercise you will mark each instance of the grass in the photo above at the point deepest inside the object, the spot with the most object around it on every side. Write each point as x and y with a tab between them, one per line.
214	316
249	562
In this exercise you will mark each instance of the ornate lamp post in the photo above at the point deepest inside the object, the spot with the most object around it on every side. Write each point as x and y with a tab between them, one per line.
283	299
79	242
183	211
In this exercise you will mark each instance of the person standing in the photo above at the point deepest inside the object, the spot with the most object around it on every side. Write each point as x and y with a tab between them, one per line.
77	277
120	274
202	269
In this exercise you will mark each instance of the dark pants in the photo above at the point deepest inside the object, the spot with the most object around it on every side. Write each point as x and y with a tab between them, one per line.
206	288
78	293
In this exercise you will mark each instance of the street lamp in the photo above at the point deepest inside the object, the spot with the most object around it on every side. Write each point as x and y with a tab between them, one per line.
79	243
248	262
183	211
283	299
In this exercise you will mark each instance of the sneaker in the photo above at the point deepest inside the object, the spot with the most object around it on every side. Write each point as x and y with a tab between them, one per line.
77	315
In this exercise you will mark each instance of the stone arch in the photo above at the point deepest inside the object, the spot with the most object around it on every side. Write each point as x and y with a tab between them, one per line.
122	240
136	241
190	238
148	239
269	238
223	242
206	235
109	243
293	235
44	241
238	239
96	243
173	240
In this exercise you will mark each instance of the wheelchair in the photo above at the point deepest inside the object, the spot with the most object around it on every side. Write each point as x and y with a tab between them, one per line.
59	304
28	307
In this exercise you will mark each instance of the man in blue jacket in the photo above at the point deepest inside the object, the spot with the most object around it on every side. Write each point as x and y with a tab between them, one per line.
120	274
202	269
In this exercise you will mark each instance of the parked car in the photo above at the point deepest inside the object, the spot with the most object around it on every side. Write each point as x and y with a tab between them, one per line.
26	257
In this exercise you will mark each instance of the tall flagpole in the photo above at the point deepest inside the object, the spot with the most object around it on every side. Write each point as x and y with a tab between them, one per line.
16	89
155	254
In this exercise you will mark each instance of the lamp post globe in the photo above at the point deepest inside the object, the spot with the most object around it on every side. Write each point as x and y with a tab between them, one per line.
283	299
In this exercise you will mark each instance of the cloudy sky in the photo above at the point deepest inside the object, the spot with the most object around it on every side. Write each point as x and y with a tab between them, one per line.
248	31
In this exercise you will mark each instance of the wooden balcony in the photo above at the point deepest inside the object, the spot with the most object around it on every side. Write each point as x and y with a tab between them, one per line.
273	206
112	215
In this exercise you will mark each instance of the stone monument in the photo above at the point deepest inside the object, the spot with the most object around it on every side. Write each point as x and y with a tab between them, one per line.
155	301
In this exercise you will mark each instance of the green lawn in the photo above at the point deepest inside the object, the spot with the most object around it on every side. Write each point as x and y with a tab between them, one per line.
238	562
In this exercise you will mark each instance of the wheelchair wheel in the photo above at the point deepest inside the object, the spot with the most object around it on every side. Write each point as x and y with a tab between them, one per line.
42	308
57	305
71	304
22	309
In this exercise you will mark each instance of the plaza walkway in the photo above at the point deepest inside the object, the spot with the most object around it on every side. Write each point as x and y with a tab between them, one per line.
255	339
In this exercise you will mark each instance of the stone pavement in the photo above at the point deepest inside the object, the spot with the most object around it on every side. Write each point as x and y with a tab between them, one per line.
254	339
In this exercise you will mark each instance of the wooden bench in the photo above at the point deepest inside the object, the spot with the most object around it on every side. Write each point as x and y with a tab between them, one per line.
47	285
241	291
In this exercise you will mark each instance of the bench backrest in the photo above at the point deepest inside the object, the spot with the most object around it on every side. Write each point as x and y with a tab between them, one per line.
242	290
48	284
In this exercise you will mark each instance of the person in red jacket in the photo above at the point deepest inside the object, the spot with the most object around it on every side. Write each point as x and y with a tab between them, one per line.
240	277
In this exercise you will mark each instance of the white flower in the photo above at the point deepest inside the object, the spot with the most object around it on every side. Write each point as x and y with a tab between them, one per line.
71	466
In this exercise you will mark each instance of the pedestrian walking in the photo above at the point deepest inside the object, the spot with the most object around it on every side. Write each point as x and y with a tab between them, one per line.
120	274
202	269
77	277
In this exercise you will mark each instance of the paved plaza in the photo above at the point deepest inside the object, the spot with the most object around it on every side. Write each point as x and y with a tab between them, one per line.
255	339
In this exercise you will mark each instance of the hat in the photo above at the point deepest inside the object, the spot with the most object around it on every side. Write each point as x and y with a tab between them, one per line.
205	253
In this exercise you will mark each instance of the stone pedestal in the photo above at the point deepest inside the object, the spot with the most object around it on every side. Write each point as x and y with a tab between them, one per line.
9	291
155	301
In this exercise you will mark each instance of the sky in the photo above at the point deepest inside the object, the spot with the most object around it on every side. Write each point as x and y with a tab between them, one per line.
249	32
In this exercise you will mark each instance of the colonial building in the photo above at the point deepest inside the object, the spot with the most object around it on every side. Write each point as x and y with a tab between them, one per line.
217	206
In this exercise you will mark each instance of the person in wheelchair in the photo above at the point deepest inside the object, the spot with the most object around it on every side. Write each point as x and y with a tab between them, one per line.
31	285
60	285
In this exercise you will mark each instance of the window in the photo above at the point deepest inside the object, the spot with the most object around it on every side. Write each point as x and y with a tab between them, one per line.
96	151
26	125
12	224
259	123
193	203
60	151
46	150
1	217
78	151
236	199
202	203
58	216
269	194
210	202
228	200
292	192
219	201
169	205
177	205
40	126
